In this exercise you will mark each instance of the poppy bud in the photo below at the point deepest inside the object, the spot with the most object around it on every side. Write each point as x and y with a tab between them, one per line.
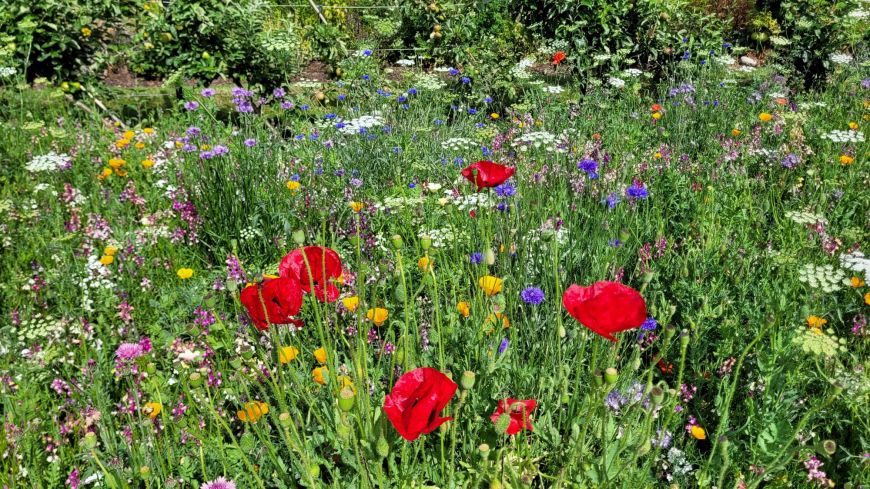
399	293
684	338
467	380
314	470
597	378
382	447
343	430
829	446
397	241
345	399
669	332
658	395
636	364
503	423
489	256
195	379
611	375
425	242
562	331
298	236
145	471
285	419
90	441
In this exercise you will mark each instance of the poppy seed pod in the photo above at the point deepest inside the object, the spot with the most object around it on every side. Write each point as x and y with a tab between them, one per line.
467	380
611	375
502	423
396	240
346	398
298	236
658	395
195	379
597	377
425	242
829	446
484	450
684	338
285	419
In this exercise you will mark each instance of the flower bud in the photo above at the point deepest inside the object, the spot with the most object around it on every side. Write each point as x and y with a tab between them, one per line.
345	399
90	441
425	242
562	332
503	423
597	378
829	446
484	450
298	236
314	471
658	395
670	330
644	448
494	484
382	447
611	375
151	368
397	242
285	419
489	256
684	338
467	380
144	471
195	379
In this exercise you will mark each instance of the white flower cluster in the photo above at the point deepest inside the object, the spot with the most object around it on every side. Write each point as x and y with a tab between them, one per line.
824	277
353	126
616	82
855	14
841	58
725	60
249	233
441	236
857	262
7	71
554	89
805	218
521	69
48	163
97	276
632	72
458	144
470	201
39	328
398	203
427	81
840	136
405	62
536	140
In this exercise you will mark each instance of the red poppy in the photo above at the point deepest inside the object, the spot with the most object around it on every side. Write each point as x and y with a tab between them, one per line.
281	300
605	307
666	368
325	265
558	57
519	412
486	174
655	108
416	401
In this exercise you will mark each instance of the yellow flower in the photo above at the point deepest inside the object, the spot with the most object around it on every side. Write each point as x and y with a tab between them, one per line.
254	410
86	32
846	160
318	374
816	322
204	147
293	185
698	433
765	117
320	355
355	206
657	115
184	273
106	173
494	116
424	264
853	126
377	315
463	308
490	285
122	143
116	163
147	163
867	298
492	318
129	134
857	282
107	259
657	155
350	303
736	132
287	354
152	409
148	130
110	250
139	145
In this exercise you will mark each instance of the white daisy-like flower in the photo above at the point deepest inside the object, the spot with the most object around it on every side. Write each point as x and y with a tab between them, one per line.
7	71
616	82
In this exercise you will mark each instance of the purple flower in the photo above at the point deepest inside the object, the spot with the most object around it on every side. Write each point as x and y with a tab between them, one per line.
219	483
129	351
865	84
453	72
73	480
590	167
791	160
505	190
250	142
207	92
192	105
637	191
532	295
649	325
615	400
279	92
612	199
503	346
476	258
221	150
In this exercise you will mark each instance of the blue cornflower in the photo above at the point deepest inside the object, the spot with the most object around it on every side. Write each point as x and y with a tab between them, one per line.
502	206
532	295
487	100
649	325
412	91
612	199
341	96
503	346
637	191
367	52
438	122
305	107
329	116
505	190
453	72
465	80
402	99
472	111
616	243
486	151
590	167
476	258
366	77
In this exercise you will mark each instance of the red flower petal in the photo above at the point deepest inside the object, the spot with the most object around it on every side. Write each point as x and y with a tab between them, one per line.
487	174
605	307
417	398
281	300
324	265
519	411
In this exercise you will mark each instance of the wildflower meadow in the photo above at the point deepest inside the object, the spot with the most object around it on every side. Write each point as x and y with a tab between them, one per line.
412	275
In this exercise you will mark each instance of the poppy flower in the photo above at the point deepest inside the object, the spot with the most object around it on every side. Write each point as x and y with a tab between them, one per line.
518	411
324	264
377	315
416	401
486	174
254	410
281	300
558	57
655	108
605	307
